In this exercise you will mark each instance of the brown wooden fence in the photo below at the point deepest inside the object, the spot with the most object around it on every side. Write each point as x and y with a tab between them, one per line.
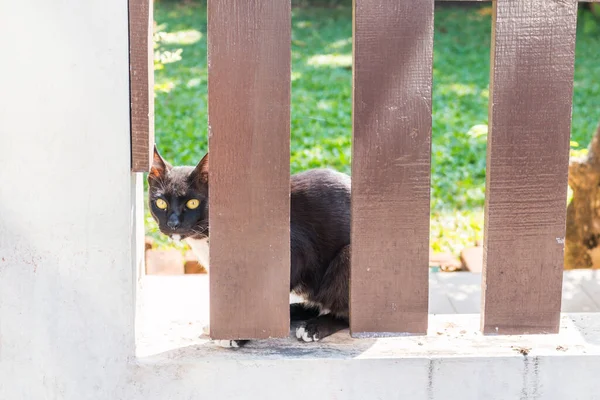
531	85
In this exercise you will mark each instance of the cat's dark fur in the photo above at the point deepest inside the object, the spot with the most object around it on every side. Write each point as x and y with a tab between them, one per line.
319	236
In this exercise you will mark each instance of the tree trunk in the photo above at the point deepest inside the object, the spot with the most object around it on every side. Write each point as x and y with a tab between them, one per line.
582	240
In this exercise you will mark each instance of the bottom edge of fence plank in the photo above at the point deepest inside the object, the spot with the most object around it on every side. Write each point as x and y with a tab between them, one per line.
280	332
225	336
389	325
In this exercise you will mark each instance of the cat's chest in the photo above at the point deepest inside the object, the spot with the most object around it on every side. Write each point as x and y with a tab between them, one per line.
200	249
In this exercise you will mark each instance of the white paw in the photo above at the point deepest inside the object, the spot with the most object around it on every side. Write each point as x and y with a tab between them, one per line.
227	344
206	329
301	333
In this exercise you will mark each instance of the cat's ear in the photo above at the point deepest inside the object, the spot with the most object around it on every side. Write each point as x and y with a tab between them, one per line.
159	166
201	170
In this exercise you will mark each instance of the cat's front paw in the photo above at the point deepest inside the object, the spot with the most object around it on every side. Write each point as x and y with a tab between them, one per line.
230	344
308	333
227	344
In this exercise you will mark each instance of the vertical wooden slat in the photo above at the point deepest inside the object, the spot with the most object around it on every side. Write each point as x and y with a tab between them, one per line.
393	45
531	88
249	138
141	81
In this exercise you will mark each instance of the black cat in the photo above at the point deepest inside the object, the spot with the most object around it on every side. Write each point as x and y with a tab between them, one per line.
319	236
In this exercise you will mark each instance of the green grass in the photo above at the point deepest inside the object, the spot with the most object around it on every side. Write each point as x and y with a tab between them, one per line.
321	101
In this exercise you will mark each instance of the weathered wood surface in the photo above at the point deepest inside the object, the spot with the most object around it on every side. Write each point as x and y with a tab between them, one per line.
249	175
533	48
141	76
393	46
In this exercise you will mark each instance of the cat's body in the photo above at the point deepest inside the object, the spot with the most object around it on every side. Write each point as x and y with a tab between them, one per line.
320	247
319	236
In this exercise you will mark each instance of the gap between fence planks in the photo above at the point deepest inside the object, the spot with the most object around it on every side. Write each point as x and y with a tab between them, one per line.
141	84
393	47
249	62
531	89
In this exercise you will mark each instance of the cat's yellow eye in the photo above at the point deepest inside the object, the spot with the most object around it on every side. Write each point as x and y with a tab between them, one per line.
160	203
193	203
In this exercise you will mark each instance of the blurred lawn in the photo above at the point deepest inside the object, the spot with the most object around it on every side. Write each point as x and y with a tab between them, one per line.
321	101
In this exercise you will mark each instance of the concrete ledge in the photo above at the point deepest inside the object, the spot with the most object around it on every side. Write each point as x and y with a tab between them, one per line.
449	336
454	361
173	309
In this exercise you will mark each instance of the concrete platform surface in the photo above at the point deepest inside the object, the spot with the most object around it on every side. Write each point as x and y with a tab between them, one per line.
173	310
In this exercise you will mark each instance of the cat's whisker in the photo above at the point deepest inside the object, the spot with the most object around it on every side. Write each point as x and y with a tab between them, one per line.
201	233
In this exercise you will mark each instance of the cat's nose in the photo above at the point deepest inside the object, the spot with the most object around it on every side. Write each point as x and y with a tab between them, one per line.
173	222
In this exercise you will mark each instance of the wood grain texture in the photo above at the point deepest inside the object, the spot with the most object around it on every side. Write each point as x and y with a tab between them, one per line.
249	141
531	88
141	83
489	1
393	42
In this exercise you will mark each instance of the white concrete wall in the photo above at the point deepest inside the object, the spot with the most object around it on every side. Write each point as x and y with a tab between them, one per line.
67	226
66	304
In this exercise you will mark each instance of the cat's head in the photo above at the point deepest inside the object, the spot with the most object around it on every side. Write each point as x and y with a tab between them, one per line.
178	198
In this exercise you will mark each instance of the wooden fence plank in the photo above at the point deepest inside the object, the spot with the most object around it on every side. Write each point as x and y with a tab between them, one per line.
393	42
141	84
533	48
249	62
489	1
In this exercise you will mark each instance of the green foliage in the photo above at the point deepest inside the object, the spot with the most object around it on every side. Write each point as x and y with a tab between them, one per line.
321	100
295	3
